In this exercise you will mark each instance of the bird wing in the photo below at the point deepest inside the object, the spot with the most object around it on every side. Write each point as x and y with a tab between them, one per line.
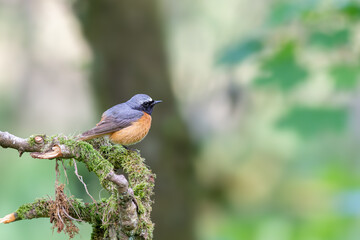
114	119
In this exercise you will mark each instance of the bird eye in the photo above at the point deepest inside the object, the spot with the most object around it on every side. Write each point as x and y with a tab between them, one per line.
147	104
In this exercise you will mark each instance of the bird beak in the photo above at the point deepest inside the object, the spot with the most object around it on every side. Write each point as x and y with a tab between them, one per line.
156	102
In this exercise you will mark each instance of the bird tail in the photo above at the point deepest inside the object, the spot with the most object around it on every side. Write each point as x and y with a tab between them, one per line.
89	135
84	138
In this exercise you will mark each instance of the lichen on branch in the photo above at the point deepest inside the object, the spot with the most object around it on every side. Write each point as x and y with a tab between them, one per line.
124	215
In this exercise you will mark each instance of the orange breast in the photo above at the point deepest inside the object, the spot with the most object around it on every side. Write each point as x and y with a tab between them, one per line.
134	133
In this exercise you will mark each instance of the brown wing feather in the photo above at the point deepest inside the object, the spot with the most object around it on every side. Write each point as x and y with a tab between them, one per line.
104	127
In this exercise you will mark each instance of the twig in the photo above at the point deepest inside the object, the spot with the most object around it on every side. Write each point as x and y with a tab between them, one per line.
57	173
100	193
58	213
8	140
67	179
81	180
75	211
79	220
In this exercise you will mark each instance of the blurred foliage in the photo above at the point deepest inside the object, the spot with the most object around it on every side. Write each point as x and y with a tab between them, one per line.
307	69
311	121
281	69
283	12
331	39
345	76
239	51
351	10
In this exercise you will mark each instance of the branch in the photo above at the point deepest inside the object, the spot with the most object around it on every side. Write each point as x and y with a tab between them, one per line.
40	148
126	208
8	140
41	208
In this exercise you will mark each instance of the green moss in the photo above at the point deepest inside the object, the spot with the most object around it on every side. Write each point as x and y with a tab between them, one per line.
115	154
22	210
97	232
93	160
47	139
139	190
141	180
31	140
111	211
87	212
31	210
141	208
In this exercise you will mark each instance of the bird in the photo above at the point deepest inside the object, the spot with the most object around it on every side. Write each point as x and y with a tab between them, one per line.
126	123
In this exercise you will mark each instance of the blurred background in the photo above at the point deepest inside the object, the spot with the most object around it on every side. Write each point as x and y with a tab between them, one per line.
258	134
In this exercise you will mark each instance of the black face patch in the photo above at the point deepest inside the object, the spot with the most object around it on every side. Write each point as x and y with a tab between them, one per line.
147	106
142	102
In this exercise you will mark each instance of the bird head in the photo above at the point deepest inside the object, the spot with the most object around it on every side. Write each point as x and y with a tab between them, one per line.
143	102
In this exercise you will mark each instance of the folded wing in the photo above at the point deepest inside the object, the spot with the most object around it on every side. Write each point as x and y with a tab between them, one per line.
114	119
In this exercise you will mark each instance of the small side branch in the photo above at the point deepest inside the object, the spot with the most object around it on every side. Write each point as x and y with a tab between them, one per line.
42	209
38	209
119	180
8	140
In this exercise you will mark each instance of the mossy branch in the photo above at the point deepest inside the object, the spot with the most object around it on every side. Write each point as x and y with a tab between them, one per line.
124	215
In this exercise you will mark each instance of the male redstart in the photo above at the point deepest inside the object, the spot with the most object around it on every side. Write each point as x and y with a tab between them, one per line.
126	123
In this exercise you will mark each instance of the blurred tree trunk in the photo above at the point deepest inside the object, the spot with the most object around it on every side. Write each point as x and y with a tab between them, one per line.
128	46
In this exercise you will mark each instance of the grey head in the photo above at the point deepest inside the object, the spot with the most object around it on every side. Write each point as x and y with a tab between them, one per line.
142	102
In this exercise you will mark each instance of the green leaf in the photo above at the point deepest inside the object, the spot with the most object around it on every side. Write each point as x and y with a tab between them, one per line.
281	69
352	10
331	39
239	52
282	12
309	122
339	174
345	76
